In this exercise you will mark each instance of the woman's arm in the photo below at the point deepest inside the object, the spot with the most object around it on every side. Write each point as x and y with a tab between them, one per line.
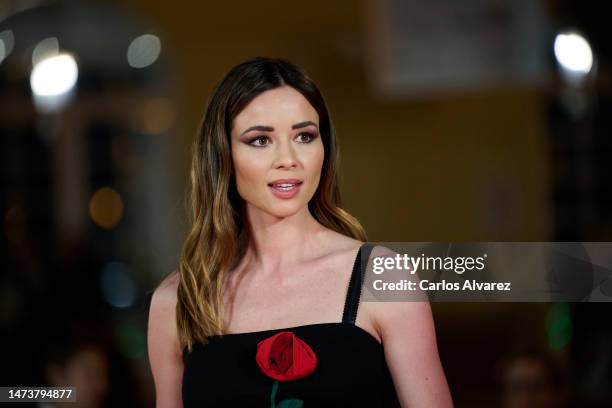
409	340
165	355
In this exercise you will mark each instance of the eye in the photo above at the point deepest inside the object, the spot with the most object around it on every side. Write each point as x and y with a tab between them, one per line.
259	141
306	137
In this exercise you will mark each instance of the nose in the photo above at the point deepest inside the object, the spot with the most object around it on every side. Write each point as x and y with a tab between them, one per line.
286	157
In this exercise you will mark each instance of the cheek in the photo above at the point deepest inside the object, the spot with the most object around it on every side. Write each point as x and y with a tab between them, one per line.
248	171
315	162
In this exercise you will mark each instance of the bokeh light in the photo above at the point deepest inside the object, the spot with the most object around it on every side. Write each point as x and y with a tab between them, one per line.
117	284
106	208
7	40
53	79
559	326
54	75
47	48
573	52
143	51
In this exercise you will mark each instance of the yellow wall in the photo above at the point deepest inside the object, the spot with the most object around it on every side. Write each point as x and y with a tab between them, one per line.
455	168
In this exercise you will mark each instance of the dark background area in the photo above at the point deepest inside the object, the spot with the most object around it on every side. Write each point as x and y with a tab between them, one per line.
501	149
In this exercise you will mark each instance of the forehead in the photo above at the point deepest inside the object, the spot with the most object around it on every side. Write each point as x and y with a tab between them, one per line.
279	107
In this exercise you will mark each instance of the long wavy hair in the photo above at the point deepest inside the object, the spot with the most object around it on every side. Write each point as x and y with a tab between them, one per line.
218	235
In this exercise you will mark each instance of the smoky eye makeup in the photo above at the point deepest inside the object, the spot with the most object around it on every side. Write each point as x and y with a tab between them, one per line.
264	140
258	141
311	136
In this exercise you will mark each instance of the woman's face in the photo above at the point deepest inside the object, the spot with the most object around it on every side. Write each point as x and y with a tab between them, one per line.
277	152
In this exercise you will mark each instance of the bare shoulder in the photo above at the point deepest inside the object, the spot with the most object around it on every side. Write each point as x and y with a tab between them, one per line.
167	288
162	342
163	307
164	298
381	250
388	317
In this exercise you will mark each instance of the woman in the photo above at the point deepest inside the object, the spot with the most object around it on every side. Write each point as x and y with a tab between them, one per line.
263	307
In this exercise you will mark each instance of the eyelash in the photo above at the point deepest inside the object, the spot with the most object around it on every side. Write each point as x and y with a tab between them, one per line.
312	136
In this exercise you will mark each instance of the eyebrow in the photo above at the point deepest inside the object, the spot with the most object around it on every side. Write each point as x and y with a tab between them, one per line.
270	128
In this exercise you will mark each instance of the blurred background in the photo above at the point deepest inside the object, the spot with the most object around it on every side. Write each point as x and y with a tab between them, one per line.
479	120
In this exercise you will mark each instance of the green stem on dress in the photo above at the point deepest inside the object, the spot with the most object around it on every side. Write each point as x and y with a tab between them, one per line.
273	395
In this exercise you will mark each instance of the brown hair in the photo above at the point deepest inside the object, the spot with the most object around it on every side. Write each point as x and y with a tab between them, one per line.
218	237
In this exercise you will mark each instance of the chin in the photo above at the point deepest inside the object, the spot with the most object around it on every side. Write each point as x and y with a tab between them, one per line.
285	210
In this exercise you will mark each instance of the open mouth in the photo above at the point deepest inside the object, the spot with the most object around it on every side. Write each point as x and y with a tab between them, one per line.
284	186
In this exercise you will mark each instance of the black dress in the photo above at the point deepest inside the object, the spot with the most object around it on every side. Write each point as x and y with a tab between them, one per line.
351	370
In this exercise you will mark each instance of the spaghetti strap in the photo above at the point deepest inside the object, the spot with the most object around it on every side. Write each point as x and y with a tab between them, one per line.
353	294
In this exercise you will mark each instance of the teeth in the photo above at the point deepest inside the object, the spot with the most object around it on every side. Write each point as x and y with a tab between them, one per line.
285	186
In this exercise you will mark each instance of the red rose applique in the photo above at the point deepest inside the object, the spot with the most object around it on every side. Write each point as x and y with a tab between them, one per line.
285	357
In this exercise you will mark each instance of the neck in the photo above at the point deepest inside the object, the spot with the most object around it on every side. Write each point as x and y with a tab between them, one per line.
276	243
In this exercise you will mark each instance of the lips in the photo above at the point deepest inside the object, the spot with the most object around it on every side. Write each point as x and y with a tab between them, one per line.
285	188
285	183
